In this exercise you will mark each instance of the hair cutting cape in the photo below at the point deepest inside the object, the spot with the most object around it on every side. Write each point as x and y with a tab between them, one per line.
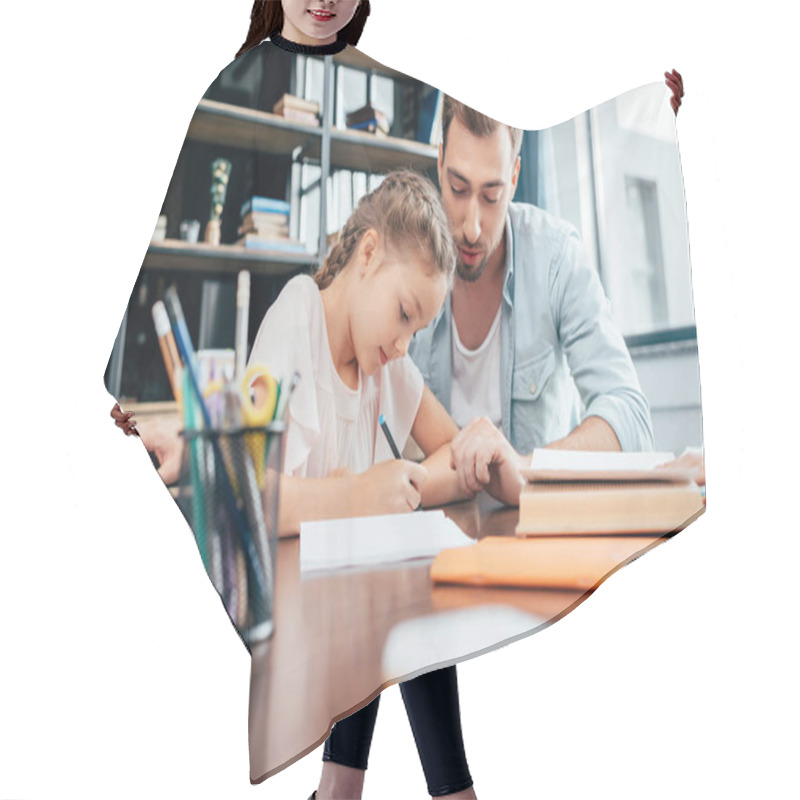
597	320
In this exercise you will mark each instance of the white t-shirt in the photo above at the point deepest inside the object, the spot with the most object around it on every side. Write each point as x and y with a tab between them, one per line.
330	424
475	386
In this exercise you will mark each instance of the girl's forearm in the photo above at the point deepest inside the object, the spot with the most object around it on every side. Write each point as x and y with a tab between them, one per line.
309	499
441	485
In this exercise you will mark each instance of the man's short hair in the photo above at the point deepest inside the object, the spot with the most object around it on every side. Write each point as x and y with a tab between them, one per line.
476	123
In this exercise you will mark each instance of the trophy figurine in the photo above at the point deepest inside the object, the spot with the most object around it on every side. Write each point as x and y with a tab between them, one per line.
220	176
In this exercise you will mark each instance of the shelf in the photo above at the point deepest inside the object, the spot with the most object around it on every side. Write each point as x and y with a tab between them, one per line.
358	150
173	254
225	124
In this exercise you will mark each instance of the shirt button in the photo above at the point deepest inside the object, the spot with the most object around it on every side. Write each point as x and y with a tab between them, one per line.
533	388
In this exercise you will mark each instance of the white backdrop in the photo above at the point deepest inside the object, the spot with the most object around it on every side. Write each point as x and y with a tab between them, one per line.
120	675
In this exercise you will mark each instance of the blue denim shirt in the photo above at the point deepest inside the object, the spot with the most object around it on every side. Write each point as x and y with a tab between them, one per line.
563	357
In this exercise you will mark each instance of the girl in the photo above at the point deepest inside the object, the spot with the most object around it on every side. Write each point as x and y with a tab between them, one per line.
347	330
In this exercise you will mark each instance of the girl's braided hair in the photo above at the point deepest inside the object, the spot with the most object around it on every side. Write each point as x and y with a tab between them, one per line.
407	212
266	19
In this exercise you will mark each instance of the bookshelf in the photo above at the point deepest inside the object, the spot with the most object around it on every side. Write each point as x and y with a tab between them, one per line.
270	151
350	148
201	258
233	126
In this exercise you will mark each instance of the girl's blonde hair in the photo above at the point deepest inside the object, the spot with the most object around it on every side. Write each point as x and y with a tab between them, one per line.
407	212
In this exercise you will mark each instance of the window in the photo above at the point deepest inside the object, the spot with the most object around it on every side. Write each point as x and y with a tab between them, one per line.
645	303
614	173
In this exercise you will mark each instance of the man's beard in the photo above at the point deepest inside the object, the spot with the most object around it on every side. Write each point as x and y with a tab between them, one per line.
472	273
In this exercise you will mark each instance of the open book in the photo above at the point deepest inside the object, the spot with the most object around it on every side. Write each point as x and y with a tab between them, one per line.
571	465
580	493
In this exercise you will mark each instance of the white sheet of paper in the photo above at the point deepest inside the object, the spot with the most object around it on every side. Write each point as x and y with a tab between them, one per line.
577	465
367	541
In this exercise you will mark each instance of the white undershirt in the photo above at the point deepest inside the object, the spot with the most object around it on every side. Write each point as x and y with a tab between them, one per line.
475	388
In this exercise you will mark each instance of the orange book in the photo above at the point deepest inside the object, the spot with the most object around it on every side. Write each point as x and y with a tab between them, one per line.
550	563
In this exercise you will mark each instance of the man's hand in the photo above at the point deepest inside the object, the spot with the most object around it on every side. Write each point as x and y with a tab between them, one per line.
484	459
675	82
161	437
690	460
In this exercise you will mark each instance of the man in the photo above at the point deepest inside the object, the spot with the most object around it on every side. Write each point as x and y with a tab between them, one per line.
524	332
525	352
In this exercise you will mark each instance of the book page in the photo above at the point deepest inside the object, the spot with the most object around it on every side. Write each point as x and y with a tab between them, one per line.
572	465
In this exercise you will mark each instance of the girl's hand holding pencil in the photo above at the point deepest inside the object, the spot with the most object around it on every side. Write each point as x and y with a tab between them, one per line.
390	487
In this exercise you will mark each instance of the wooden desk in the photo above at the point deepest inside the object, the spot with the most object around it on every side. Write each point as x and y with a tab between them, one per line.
341	638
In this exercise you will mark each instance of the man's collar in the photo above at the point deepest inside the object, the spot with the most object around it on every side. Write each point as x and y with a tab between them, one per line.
508	283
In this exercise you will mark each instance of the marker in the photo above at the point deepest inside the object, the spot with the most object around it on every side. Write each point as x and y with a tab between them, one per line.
169	352
242	315
389	437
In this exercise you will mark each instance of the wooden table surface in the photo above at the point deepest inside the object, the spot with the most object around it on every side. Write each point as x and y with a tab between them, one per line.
341	637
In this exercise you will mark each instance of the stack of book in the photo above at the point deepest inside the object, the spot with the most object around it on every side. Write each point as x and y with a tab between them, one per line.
577	493
581	517
368	119
297	109
265	226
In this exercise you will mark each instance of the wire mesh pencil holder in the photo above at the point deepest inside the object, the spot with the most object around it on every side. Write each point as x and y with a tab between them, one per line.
229	495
